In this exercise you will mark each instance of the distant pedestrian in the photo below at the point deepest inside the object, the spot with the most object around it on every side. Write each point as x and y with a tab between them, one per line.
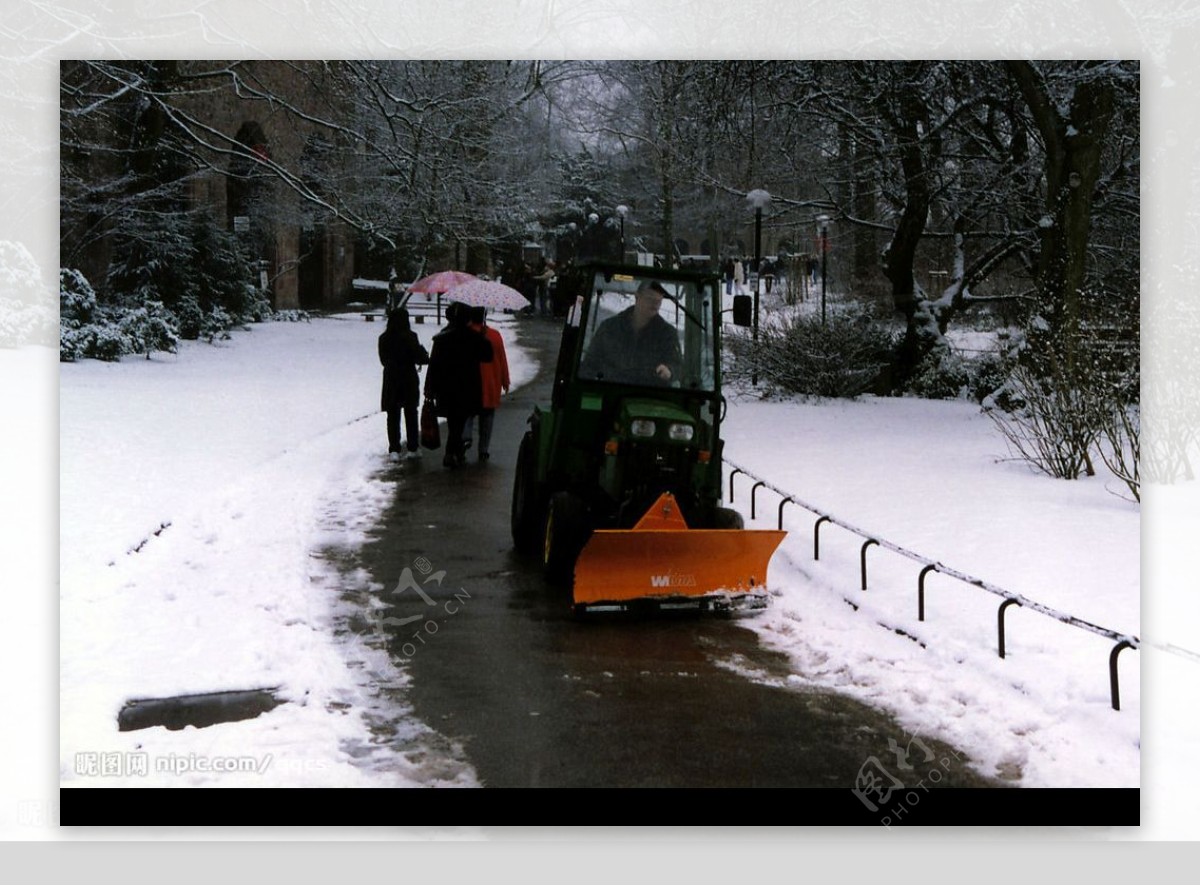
400	353
727	273
542	277
523	281
494	379
768	272
454	380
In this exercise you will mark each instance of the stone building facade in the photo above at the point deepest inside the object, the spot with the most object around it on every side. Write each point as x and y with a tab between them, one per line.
308	259
239	110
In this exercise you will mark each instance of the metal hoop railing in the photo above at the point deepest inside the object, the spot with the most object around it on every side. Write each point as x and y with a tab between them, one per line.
1123	641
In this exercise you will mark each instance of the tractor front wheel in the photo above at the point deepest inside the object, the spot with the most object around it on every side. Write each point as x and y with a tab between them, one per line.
727	518
564	536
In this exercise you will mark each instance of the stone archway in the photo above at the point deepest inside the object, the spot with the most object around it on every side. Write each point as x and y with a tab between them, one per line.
245	189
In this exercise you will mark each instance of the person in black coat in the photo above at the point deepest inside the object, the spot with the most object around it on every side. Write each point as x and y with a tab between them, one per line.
401	353
453	381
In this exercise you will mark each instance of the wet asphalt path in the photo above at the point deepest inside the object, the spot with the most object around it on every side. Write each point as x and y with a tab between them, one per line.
539	699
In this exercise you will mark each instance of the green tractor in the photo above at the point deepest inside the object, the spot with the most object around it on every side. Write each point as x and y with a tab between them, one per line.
618	484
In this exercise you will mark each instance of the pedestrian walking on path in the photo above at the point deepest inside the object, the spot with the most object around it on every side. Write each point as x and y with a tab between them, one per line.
401	353
494	378
543	275
454	380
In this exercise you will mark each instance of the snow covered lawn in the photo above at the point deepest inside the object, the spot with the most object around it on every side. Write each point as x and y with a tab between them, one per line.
200	493
929	476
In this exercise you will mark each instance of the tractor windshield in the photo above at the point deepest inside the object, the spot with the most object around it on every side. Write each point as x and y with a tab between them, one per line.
645	332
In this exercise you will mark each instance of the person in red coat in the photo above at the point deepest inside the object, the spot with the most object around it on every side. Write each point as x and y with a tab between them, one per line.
494	378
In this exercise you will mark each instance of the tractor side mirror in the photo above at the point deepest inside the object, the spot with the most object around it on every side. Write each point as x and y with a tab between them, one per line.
743	310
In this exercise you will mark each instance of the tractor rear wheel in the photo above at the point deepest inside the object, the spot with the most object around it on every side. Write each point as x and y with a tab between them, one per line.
566	531
526	514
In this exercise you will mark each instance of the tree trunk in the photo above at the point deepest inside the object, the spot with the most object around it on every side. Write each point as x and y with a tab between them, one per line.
1073	147
865	261
898	259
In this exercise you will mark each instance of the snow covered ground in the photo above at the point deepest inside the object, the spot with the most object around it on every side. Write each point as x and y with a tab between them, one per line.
924	476
935	478
202	494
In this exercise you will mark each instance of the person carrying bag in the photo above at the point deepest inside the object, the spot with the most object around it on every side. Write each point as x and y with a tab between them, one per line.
431	434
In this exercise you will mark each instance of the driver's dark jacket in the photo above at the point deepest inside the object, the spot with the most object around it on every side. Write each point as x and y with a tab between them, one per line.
619	354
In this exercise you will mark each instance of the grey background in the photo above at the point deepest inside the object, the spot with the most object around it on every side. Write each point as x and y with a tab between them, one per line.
1164	34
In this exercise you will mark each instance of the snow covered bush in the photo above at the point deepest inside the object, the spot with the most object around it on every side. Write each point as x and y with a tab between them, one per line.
944	378
222	276
1070	398
88	329
74	343
1120	446
150	329
291	316
196	270
76	297
1051	422
956	377
106	342
217	324
180	278
76	307
800	355
190	317
256	307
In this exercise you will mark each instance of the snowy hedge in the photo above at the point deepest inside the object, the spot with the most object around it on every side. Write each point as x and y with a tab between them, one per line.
143	325
171	276
799	354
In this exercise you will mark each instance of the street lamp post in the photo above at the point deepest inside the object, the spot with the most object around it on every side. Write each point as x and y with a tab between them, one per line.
823	232
759	199
622	211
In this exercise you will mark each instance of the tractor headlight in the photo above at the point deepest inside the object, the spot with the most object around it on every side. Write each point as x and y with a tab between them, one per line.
641	427
682	432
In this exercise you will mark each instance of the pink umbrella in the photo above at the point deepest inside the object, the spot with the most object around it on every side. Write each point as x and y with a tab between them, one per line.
488	294
442	281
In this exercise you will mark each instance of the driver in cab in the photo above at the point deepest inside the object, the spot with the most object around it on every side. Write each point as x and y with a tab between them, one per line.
637	346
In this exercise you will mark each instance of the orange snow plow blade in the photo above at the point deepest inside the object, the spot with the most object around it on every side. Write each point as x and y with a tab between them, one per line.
662	561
